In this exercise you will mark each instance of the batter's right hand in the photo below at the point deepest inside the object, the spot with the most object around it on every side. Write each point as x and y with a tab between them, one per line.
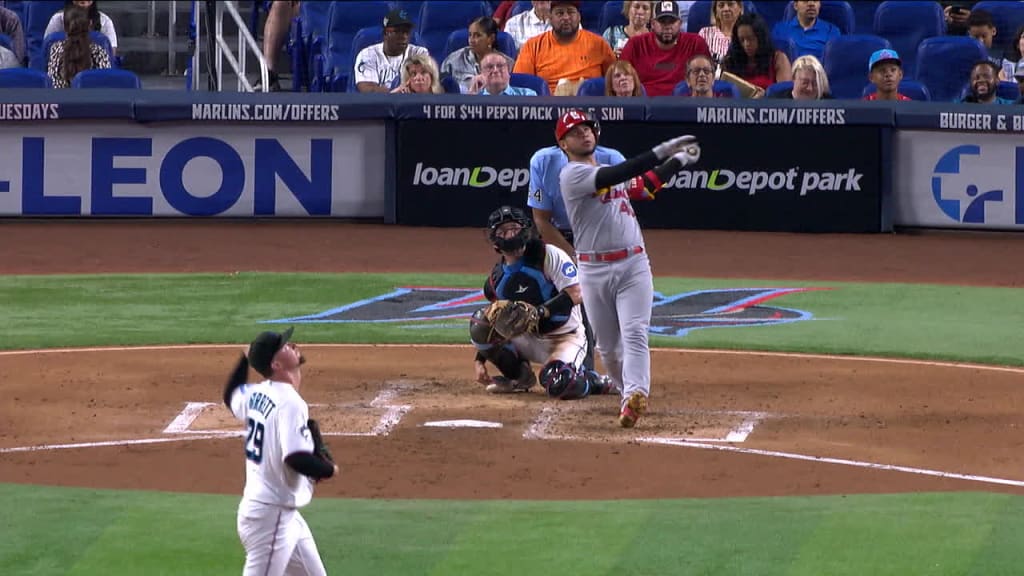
689	154
670	147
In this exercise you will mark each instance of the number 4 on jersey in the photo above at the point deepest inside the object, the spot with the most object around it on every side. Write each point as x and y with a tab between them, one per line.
254	441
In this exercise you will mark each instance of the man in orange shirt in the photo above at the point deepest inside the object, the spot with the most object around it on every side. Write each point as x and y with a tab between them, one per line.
566	53
660	56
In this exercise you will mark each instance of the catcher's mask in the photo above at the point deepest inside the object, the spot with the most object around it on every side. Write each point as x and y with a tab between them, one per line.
574	118
509	214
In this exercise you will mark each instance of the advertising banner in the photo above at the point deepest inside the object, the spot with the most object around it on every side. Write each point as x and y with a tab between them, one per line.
951	180
774	178
128	169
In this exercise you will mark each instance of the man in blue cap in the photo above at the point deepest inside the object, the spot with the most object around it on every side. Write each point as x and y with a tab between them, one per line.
885	70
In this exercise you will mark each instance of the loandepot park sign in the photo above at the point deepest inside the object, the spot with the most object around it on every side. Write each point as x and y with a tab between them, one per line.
673	315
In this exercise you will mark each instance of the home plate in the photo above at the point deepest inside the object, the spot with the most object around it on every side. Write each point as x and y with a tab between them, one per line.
463	424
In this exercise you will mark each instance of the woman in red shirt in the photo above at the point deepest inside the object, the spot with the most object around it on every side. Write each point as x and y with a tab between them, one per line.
753	57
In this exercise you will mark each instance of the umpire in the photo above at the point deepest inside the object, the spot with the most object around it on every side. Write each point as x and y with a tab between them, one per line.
545	199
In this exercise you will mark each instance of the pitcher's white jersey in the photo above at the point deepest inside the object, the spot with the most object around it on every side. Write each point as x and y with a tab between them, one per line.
275	417
602	220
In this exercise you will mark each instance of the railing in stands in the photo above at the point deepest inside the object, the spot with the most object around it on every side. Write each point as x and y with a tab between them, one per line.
222	51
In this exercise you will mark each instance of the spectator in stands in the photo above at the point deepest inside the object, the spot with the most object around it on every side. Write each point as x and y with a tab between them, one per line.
76	52
700	76
957	12
1014	55
718	36
638	17
660	56
809	80
10	25
275	32
526	25
885	70
622	80
567	54
982	28
419	76
496	77
809	33
377	65
984	80
1018	75
753	57
464	64
98	21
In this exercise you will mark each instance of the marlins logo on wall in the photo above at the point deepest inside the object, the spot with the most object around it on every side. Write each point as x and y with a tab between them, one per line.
673	315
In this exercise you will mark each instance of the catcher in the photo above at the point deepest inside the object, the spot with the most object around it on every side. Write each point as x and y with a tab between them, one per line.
534	316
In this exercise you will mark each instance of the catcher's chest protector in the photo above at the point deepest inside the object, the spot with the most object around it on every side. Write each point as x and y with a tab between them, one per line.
524	281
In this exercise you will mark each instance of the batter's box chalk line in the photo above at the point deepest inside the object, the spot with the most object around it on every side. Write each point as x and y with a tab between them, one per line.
386	400
541	426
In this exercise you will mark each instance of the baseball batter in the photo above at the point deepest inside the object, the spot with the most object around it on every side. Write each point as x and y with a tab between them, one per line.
615	273
544	278
282	461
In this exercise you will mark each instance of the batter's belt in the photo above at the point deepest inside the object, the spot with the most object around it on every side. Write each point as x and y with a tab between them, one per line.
612	256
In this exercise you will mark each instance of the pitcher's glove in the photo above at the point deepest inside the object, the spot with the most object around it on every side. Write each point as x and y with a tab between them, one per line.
319	448
513	318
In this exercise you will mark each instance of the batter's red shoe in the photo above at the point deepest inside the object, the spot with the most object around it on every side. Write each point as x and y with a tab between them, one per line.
632	410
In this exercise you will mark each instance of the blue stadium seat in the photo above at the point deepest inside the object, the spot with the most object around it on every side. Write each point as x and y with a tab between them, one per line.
520	7
308	29
24	78
37	16
778	88
864	15
460	38
345	20
539	85
106	78
341	74
611	15
94	36
836	12
944	64
1008	17
846	63
591	87
439	19
700	14
590	15
771	10
905	24
721	89
19	7
910	88
787	46
450	85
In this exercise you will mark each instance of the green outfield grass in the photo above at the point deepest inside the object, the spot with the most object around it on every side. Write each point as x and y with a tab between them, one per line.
47	531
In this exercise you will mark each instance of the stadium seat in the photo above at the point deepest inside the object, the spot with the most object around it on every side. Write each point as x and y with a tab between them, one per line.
787	46
944	64
450	85
836	12
521	7
611	15
539	85
1008	17
345	20
591	87
910	88
905	24
460	38
19	7
439	19
94	36
864	15
771	10
308	29
846	62
37	16
721	89
340	73
778	88
700	14
106	78
590	16
24	78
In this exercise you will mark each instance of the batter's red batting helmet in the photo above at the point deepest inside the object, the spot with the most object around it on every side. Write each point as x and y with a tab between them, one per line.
574	118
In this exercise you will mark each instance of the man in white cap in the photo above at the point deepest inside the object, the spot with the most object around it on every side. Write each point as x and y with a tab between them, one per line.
885	71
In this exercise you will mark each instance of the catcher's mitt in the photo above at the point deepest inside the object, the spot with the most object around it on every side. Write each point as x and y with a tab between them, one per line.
513	318
319	448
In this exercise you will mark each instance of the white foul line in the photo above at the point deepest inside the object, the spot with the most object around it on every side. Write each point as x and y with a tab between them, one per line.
841	461
182	438
392	413
186	417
